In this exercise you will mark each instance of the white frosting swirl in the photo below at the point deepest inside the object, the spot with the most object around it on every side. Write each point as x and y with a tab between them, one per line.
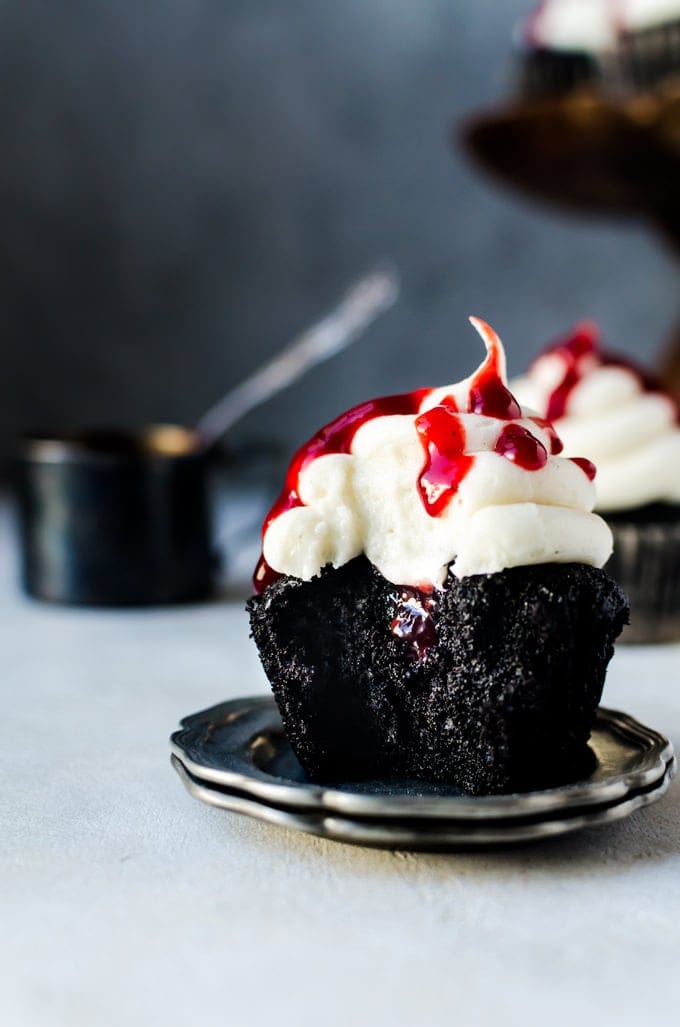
594	26
573	25
630	432
501	514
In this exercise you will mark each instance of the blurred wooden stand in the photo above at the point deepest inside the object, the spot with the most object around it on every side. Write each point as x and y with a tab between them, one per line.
594	154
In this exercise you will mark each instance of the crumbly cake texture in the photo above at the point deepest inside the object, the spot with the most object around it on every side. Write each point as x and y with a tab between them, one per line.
503	701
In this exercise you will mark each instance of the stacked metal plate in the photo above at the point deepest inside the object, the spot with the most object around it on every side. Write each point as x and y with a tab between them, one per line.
235	756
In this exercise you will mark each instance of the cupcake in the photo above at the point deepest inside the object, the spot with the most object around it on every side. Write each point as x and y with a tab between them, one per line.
592	123
430	601
565	44
613	410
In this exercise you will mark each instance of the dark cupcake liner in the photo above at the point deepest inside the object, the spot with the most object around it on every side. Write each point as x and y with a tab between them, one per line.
647	57
646	564
543	73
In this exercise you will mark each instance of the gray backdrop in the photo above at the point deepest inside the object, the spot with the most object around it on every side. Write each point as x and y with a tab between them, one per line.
184	184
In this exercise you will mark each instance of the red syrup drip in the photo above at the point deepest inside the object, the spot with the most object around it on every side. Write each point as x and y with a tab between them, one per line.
587	466
443	436
264	575
519	446
335	437
580	352
446	463
488	393
413	621
556	444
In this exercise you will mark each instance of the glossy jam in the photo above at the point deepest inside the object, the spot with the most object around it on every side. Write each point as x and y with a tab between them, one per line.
443	436
556	444
580	353
441	432
587	466
519	446
489	394
413	621
446	463
335	437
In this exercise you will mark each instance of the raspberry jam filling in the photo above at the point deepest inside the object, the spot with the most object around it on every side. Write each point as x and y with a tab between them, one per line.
413	621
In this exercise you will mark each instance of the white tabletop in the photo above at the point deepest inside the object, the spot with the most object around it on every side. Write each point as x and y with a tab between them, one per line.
123	901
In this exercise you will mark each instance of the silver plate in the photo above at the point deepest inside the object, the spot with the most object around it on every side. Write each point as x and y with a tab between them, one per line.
420	834
235	756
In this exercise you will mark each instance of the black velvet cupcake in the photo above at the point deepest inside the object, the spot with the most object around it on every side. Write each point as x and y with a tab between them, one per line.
431	604
650	56
493	688
630	425
646	562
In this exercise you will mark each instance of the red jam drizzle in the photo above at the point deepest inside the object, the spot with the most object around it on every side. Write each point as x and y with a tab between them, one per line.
264	575
442	436
580	352
588	468
446	463
489	394
556	444
519	446
413	621
335	437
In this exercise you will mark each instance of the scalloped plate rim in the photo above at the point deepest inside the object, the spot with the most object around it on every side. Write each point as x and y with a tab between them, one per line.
310	796
393	835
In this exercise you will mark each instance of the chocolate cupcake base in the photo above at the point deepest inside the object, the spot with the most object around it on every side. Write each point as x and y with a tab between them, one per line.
494	677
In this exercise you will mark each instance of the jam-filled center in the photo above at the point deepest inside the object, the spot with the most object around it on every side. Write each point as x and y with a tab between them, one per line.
413	621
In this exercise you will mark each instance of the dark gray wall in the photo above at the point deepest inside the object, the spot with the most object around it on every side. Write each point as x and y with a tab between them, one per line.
184	184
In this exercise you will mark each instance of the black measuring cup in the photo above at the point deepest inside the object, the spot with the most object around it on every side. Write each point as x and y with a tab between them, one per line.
116	518
121	518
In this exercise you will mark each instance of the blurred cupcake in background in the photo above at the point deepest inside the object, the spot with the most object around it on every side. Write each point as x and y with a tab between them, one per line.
592	122
619	415
564	44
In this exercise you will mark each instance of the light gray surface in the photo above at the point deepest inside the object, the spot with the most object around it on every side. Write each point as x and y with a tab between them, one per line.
124	902
185	185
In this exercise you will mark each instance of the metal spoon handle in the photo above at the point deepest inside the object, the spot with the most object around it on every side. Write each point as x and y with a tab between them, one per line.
373	294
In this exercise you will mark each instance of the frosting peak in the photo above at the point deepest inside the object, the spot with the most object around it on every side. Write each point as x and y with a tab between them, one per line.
459	476
489	393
